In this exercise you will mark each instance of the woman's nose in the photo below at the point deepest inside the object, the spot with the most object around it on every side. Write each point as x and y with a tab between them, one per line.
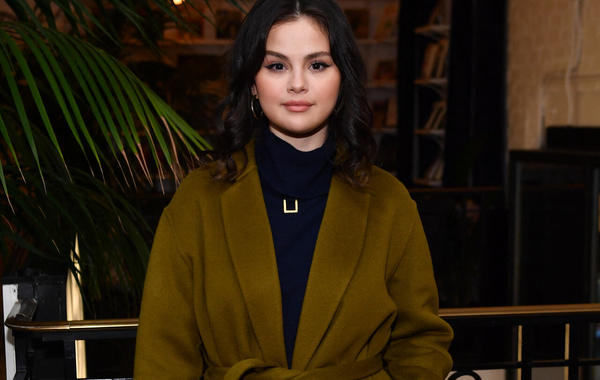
297	83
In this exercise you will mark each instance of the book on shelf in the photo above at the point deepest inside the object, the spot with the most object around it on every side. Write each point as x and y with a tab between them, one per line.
433	115
439	122
439	171
435	59
379	108
442	58
429	63
436	116
385	113
358	19
386	27
435	171
391	117
385	71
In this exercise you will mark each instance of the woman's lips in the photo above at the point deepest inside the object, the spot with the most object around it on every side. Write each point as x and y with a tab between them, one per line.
297	106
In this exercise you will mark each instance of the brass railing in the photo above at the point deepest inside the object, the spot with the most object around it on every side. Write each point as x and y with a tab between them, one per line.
548	311
450	314
91	325
574	316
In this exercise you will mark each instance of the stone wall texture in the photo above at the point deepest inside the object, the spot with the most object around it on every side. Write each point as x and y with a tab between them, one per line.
542	44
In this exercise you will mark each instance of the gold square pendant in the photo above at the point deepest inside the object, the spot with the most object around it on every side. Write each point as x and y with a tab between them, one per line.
290	211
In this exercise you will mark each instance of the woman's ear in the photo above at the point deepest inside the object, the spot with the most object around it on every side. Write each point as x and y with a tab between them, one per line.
254	92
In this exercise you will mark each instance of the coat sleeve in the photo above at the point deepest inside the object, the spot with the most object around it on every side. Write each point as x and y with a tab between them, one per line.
418	346
168	344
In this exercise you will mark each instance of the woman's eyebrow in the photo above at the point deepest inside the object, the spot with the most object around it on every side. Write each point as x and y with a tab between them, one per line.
275	54
318	54
308	57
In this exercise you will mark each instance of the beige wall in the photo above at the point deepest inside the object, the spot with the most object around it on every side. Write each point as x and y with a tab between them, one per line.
540	44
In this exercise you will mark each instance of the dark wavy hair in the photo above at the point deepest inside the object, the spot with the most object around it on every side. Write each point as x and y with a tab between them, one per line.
350	122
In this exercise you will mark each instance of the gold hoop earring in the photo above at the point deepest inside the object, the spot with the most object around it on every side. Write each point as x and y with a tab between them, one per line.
252	108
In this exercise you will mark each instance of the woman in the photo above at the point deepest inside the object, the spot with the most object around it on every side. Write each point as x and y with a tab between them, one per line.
291	256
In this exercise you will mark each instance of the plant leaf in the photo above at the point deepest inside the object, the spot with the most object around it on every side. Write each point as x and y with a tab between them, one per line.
8	141
66	88
122	113
83	77
95	79
43	63
16	96
31	83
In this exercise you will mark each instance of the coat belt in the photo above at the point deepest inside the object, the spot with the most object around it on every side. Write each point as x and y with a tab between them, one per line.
256	369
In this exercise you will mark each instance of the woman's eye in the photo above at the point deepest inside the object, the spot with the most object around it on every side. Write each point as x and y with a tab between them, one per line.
318	66
276	66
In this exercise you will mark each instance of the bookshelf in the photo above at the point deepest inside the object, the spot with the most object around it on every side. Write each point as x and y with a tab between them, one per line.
432	46
375	27
468	74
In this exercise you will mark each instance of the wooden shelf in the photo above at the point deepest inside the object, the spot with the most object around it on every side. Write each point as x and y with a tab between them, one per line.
387	85
191	42
433	30
430	132
385	131
427	182
373	41
431	82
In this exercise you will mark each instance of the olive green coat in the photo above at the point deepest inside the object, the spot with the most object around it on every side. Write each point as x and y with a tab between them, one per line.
212	304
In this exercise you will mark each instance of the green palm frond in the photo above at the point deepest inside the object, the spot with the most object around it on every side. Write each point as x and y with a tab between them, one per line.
77	127
119	104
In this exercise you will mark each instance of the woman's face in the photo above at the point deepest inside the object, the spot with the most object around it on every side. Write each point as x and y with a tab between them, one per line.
298	83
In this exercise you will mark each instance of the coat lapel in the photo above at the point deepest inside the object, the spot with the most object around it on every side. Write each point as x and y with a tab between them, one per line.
251	247
338	248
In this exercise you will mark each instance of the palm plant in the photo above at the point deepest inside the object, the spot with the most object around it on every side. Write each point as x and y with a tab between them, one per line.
78	131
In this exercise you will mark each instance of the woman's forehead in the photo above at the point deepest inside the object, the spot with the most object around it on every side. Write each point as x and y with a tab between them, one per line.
302	32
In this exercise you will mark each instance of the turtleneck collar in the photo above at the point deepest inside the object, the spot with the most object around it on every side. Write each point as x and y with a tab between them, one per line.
291	172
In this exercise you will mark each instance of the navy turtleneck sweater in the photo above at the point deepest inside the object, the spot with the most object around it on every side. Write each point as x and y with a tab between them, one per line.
287	173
